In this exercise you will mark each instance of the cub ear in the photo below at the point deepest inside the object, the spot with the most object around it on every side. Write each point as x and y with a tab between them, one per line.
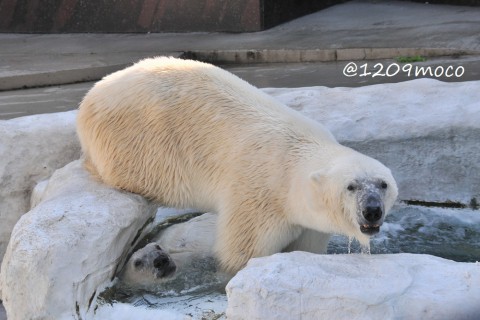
318	177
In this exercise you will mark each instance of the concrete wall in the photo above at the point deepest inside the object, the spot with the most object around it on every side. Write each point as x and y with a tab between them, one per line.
48	16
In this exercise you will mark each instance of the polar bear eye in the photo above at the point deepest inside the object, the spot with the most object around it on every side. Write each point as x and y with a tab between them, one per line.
351	187
138	263
384	185
158	247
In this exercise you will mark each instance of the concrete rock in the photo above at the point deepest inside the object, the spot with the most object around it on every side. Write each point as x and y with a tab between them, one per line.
189	240
37	193
426	131
68	247
301	285
31	149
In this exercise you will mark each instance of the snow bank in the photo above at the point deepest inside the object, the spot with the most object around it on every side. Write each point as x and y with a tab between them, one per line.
302	285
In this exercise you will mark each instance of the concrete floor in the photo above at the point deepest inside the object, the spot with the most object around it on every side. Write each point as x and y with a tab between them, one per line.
19	103
330	74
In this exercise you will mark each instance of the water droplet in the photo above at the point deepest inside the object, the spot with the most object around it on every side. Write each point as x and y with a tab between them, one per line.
350	240
366	249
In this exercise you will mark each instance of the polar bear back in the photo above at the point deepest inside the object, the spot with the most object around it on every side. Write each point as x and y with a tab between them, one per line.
189	123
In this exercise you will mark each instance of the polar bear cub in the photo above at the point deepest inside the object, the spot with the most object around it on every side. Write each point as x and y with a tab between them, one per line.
173	250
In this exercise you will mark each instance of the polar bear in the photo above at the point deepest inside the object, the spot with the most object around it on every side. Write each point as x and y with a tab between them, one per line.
186	245
188	134
148	266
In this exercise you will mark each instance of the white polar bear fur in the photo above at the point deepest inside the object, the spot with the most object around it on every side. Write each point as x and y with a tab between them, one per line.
188	134
148	274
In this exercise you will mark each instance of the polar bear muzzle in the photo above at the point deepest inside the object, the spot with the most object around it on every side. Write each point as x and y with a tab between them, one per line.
373	213
148	265
164	266
370	205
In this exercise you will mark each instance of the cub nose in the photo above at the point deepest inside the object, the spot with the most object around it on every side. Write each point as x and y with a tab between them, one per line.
160	262
373	210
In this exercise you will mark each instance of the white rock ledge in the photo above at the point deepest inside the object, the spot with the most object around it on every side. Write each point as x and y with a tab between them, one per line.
31	149
301	285
66	249
426	131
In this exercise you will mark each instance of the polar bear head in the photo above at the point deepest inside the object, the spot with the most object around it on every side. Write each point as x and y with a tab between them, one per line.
148	266
351	196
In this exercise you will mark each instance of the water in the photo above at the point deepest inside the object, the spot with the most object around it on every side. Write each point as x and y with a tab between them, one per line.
199	292
448	233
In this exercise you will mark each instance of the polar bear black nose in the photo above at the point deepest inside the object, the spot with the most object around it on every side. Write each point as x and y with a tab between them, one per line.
373	210
372	214
160	262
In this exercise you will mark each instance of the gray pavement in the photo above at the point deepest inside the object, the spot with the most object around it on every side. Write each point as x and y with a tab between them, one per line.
331	74
355	30
17	103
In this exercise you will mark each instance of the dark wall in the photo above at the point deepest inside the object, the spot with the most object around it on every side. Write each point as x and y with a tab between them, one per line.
451	2
44	16
57	16
276	12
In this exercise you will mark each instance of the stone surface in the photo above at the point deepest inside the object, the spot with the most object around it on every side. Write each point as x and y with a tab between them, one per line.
65	250
189	240
31	149
383	26
424	130
37	193
301	285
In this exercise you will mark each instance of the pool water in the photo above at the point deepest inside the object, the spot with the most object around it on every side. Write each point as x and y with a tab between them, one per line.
199	292
448	233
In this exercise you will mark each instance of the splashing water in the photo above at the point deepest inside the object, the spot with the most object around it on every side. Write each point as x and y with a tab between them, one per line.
365	249
352	247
